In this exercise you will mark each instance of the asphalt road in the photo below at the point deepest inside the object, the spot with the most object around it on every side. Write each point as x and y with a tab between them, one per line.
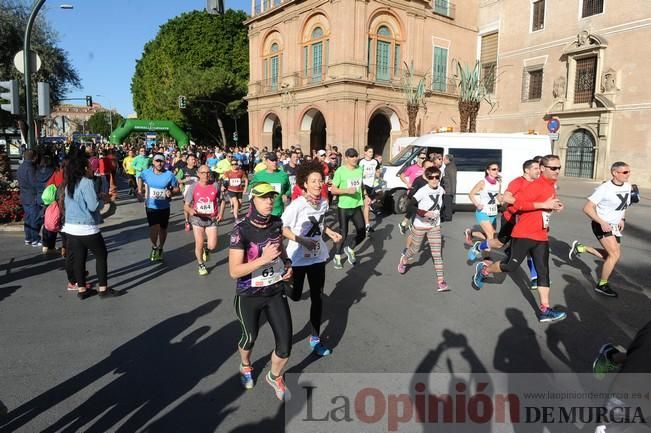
162	357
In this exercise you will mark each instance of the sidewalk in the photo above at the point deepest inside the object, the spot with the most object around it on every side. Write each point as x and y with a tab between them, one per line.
575	187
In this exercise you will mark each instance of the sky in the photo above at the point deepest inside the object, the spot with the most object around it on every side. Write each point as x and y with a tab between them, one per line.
105	38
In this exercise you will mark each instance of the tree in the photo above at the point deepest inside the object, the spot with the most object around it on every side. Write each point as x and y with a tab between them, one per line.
100	123
414	94
472	91
202	57
56	68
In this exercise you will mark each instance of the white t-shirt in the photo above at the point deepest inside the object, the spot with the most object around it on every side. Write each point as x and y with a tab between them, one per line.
305	221
611	201
488	197
429	199
368	171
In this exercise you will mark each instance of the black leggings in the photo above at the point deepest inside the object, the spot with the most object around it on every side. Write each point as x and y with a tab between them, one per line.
316	277
539	252
76	253
276	308
345	215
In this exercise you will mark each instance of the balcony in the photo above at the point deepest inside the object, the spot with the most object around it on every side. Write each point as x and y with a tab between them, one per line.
444	8
262	6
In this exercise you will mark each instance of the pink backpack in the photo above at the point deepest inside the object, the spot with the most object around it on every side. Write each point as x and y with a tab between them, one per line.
52	217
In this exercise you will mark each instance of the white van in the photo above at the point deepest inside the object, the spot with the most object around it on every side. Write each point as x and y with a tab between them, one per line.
472	152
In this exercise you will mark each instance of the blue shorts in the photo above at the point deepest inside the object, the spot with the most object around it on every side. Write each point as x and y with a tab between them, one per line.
481	216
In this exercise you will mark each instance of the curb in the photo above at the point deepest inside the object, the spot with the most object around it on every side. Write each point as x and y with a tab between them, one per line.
12	227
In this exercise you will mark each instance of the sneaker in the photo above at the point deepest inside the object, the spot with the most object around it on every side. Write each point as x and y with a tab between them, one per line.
369	229
403	228
576	250
205	255
159	255
605	290
478	277
108	293
551	315
474	252
37	244
318	347
402	267
187	226
467	236
202	270
278	384
75	288
534	284
153	255
86	294
246	376
337	262
604	363
443	286
28	243
350	254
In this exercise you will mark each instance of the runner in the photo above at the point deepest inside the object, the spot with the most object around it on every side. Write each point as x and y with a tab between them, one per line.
530	235
224	165
489	191
161	185
202	204
276	178
531	171
347	184
130	172
606	208
408	176
291	168
236	181
303	225
140	164
259	262
428	223
371	172
188	177
412	204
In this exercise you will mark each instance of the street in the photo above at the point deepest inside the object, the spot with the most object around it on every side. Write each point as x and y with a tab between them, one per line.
163	356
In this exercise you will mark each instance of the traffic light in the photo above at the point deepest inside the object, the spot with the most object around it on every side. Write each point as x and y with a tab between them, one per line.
44	99
10	95
235	137
89	101
182	102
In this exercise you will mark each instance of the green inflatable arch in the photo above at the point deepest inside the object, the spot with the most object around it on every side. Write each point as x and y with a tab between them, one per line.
130	125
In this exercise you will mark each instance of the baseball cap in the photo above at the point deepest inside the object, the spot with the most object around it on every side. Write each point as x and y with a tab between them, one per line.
321	152
159	157
271	156
262	188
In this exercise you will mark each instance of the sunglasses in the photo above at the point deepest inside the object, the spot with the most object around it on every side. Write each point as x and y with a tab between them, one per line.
493	169
623	172
553	168
204	172
433	177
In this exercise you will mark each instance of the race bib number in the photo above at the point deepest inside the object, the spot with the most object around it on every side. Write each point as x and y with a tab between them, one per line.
316	252
205	207
157	193
292	181
269	274
235	181
614	228
545	219
369	173
277	187
355	183
491	209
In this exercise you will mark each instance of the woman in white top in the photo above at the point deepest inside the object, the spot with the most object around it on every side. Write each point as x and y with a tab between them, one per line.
486	195
303	225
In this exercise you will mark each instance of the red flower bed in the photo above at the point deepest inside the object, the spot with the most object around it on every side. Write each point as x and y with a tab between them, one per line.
10	208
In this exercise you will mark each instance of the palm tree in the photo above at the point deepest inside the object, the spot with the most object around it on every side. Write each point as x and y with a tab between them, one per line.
414	94
472	91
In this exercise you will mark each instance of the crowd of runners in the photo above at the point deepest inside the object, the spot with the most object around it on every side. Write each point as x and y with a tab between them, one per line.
279	240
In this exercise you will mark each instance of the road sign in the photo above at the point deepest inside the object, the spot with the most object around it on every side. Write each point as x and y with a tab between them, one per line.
553	125
19	61
553	135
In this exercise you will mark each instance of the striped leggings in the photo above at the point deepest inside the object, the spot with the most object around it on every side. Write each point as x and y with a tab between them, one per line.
434	238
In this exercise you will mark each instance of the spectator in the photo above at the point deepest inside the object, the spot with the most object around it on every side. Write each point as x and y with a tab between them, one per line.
449	184
26	175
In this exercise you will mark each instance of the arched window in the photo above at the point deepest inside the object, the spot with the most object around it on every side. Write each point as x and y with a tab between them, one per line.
272	66
384	54
315	56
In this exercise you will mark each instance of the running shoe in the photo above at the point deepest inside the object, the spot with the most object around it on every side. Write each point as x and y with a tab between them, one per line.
337	262
246	376
478	277
350	254
576	250
153	254
369	229
278	384
443	286
159	255
28	243
534	284
402	267
467	236
474	252
604	363
205	255
187	226
202	270
605	290
318	347
75	288
37	244
551	315
403	228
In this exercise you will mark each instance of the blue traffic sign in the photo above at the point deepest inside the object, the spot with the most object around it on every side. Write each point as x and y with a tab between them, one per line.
553	125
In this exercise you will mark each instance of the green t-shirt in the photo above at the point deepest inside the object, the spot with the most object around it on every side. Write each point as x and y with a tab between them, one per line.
347	178
280	181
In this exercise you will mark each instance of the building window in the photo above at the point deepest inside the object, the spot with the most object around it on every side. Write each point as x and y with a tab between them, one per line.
315	55
538	21
440	70
532	83
591	7
386	51
488	60
442	7
584	84
271	66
